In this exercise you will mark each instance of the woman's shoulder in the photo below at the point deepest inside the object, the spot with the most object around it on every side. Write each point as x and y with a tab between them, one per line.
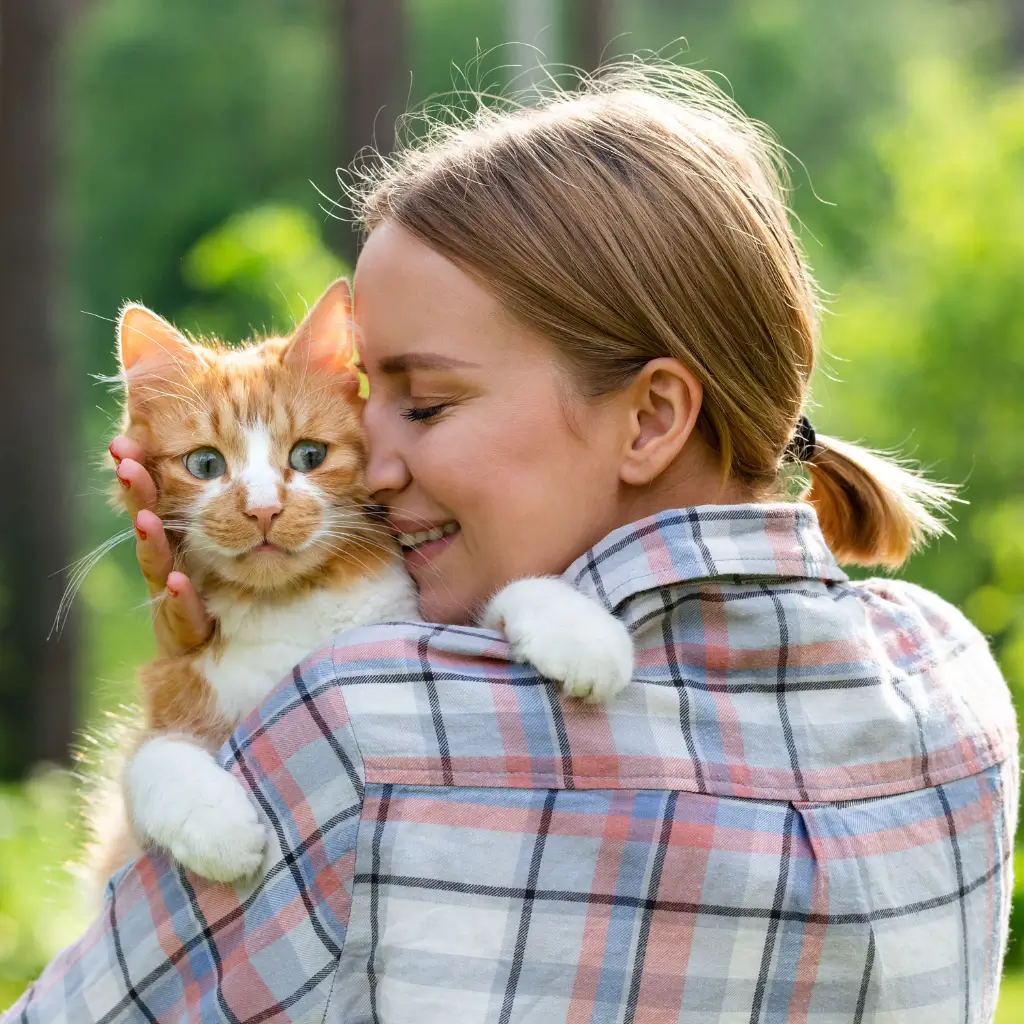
927	638
917	622
417	647
922	630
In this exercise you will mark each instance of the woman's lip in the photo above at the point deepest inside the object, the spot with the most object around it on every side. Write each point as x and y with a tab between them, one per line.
425	553
415	526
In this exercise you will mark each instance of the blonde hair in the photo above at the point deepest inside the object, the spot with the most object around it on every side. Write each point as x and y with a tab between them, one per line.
642	215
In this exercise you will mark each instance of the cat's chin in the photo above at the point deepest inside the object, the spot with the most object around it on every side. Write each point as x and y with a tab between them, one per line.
266	569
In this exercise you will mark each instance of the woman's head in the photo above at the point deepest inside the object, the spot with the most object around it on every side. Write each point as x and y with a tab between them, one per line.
640	219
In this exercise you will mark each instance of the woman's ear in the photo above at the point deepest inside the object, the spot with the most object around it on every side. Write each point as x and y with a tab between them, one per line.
664	400
323	341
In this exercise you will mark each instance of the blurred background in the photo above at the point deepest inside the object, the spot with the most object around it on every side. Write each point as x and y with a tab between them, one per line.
183	154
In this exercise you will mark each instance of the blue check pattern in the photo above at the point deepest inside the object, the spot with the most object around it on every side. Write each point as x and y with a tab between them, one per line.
802	809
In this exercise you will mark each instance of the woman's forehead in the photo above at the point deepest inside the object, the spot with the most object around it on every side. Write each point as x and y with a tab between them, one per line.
413	304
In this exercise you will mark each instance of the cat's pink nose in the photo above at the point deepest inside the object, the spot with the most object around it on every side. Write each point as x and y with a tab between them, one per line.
264	515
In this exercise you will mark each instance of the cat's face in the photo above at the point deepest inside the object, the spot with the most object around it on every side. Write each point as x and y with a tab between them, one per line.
258	453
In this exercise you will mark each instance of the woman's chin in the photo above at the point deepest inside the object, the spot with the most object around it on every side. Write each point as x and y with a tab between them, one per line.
438	605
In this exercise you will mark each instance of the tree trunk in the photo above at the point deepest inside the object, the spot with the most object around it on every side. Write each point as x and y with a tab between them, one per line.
375	81
592	31
37	676
532	34
1015	32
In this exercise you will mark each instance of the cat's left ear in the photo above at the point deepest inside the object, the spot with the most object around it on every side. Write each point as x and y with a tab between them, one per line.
323	341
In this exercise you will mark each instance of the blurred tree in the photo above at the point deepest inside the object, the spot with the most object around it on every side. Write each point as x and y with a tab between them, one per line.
591	31
37	692
531	29
1015	31
179	115
376	79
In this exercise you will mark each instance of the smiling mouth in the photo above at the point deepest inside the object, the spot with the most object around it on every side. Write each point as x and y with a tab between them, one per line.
412	541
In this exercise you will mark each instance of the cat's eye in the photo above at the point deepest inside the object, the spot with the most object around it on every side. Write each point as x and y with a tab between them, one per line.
206	464
307	455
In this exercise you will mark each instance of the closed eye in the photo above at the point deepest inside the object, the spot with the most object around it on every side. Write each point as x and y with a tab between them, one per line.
422	413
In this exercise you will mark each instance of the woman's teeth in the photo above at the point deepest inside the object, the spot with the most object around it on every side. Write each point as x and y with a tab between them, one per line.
414	540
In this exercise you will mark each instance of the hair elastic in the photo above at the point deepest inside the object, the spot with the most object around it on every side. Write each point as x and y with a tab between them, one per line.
804	443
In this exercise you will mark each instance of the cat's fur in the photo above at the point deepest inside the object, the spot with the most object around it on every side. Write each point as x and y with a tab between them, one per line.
334	566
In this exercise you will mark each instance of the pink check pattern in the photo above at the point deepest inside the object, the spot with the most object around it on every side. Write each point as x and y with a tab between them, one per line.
802	809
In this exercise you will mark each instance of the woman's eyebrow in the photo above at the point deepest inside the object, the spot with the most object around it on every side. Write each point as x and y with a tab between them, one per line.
421	361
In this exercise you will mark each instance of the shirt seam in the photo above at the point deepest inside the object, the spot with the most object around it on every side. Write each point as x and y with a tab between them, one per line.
906	784
340	690
735	567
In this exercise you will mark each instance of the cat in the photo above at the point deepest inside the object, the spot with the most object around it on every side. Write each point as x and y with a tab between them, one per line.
258	456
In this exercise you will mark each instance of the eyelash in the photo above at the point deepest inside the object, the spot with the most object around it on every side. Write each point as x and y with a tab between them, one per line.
420	415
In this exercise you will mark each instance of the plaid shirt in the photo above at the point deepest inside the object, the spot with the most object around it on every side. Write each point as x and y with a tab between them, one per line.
802	809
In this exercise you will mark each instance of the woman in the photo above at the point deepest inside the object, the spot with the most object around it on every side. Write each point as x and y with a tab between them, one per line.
588	332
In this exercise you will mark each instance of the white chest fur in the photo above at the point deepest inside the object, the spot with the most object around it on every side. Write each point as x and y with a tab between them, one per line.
262	641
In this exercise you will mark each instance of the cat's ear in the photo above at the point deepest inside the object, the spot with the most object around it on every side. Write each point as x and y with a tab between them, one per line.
146	340
323	341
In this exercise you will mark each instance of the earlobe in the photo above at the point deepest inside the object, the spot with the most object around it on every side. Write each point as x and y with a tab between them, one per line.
665	400
323	341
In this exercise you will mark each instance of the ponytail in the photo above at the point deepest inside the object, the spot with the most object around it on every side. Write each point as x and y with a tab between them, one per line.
872	510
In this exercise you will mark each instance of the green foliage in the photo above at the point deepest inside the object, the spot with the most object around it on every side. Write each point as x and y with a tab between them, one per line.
183	114
269	261
928	340
41	908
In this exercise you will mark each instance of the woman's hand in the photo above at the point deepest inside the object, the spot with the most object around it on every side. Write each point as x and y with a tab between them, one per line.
180	621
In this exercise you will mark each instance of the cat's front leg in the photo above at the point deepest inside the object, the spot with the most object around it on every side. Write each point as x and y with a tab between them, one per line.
182	800
565	636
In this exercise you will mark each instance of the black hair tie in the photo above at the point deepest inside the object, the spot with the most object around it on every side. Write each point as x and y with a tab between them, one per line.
804	443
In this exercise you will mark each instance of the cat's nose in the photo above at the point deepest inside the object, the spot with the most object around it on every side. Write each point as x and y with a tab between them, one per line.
264	515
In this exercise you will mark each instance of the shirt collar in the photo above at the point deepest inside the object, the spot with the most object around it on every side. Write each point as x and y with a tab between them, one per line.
703	542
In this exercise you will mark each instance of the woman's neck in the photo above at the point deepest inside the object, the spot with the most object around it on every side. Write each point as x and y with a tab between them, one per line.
695	478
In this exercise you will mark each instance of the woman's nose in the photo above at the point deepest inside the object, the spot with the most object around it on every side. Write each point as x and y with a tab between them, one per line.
386	469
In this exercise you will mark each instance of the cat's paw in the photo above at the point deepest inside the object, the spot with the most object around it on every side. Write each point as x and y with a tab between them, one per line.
223	842
565	636
181	799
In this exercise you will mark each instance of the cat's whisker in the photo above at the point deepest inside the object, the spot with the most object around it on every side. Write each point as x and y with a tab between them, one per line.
77	572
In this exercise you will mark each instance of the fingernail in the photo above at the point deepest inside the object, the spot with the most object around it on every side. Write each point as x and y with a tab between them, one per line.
116	458
121	480
139	531
171	591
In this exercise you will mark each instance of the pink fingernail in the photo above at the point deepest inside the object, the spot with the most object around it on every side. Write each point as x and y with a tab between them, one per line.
171	591
139	532
121	480
113	454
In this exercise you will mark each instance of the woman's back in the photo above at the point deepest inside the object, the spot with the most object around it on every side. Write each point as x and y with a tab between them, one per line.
802	808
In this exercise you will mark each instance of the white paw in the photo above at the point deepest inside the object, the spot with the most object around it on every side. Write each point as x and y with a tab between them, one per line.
183	801
565	636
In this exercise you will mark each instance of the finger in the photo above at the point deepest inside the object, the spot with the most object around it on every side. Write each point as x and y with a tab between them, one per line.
140	491
125	448
185	613
153	550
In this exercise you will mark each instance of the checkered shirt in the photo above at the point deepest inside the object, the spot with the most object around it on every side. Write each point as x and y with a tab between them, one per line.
802	809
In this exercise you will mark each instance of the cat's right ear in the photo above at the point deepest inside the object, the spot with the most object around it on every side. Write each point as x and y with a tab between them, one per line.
146	341
323	341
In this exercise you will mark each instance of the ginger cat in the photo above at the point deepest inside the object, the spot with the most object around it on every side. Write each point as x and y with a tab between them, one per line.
258	457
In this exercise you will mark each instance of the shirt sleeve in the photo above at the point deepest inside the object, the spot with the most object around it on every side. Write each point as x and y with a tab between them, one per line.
170	946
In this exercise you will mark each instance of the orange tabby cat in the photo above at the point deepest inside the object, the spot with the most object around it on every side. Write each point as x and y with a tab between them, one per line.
258	457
